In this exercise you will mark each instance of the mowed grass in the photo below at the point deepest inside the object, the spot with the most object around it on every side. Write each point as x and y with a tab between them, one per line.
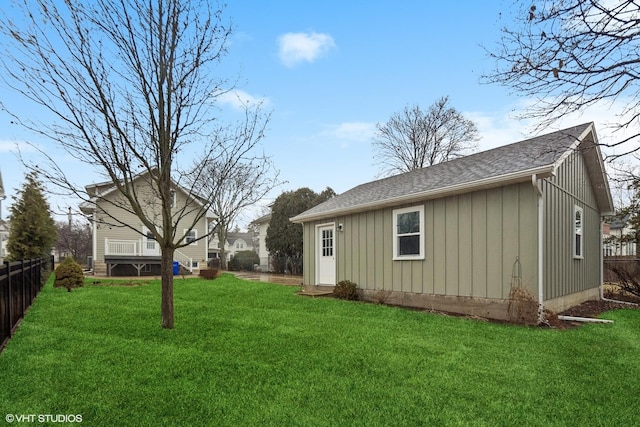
245	353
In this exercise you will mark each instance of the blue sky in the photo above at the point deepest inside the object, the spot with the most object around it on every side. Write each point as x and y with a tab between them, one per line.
330	70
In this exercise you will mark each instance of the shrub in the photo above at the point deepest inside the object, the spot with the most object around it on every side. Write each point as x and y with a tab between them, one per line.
244	261
523	307
68	274
213	263
346	289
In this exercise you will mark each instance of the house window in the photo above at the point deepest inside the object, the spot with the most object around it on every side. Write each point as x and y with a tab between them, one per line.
191	236
327	242
194	264
408	233
151	241
578	226
172	194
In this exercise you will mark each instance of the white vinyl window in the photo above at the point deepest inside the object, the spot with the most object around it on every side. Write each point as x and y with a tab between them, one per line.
578	227
408	233
191	236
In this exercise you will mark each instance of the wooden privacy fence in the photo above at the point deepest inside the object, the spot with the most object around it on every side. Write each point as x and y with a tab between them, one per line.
20	282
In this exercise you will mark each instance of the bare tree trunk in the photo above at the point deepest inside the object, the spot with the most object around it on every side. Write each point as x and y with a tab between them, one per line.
166	306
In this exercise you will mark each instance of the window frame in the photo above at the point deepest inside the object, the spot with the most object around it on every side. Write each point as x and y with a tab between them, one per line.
195	236
578	230
421	233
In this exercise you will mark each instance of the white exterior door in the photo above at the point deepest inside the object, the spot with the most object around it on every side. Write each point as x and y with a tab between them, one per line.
150	246
326	255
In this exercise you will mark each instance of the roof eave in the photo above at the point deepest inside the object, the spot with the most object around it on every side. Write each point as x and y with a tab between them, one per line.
497	181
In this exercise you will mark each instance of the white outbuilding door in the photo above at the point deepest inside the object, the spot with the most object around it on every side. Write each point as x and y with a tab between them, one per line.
326	255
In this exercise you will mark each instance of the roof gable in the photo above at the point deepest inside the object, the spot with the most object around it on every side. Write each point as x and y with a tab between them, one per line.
511	163
101	190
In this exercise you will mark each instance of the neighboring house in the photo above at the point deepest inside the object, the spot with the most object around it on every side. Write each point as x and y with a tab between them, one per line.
132	249
4	239
458	235
261	225
236	242
614	233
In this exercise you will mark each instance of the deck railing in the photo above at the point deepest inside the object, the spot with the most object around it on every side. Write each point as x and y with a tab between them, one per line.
134	248
183	259
122	247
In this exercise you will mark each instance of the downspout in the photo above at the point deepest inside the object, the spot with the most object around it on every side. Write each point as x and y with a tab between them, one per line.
537	184
601	260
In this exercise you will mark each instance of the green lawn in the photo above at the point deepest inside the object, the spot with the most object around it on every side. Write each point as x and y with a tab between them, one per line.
245	354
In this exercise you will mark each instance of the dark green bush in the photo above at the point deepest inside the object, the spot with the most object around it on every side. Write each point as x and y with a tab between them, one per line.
346	289
68	274
244	261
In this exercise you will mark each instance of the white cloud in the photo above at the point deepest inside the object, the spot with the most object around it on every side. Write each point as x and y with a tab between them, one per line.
238	99
348	132
295	48
503	127
15	146
355	131
497	128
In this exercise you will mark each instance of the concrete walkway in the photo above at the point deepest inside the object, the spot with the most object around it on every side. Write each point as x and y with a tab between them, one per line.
279	279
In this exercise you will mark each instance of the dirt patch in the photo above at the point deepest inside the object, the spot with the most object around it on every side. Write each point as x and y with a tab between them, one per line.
120	283
594	308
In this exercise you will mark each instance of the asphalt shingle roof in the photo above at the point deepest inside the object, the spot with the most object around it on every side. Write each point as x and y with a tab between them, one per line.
527	155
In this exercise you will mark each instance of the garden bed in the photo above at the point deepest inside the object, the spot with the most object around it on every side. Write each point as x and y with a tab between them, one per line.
209	273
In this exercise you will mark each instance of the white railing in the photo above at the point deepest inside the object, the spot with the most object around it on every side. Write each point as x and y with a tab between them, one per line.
122	247
183	259
134	248
619	248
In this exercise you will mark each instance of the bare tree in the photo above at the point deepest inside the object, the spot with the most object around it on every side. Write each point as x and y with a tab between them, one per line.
569	55
74	239
130	85
414	139
238	177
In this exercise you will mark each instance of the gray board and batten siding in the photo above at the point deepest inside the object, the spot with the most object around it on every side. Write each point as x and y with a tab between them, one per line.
467	245
480	216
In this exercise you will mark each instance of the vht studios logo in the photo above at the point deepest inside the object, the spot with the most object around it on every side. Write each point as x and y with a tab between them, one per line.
43	418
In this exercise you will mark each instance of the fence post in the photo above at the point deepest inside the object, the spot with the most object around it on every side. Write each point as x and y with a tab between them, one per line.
41	262
9	298
23	288
31	283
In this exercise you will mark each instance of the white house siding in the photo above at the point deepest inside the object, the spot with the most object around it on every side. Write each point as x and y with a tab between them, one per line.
472	241
263	253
